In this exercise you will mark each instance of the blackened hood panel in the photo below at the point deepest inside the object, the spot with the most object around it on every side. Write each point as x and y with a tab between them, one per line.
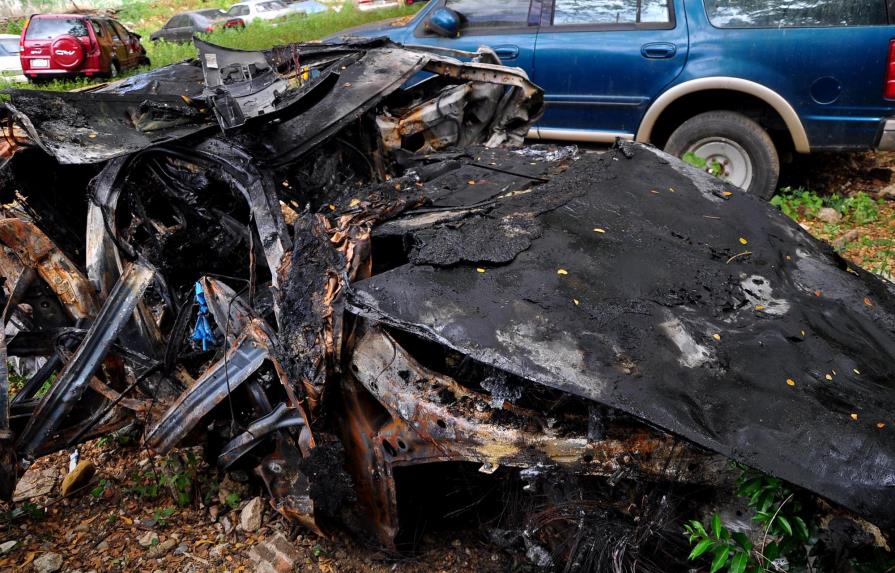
700	309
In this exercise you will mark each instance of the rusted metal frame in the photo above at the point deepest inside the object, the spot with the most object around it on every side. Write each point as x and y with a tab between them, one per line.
365	459
240	361
239	169
433	431
484	54
483	72
8	473
232	315
287	485
115	399
53	363
281	417
116	419
523	101
18	282
104	261
76	374
35	250
448	106
19	132
421	429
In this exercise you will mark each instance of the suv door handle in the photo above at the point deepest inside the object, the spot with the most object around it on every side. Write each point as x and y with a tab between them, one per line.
507	51
658	50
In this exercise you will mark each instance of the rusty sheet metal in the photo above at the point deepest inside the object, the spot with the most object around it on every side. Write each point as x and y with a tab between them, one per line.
435	419
35	250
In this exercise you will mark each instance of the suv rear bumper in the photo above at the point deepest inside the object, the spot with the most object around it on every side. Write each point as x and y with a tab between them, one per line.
887	137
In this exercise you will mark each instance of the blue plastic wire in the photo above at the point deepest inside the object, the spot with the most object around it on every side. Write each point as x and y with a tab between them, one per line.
203	333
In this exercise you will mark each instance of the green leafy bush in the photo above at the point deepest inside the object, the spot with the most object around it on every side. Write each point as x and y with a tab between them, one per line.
776	510
803	203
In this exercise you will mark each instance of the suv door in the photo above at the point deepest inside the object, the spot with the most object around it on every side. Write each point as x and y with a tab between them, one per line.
118	45
601	62
130	45
509	27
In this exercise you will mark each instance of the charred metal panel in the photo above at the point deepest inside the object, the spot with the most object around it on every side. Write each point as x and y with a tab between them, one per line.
651	288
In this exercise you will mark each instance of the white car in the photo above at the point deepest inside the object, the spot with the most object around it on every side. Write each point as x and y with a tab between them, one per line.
10	65
257	10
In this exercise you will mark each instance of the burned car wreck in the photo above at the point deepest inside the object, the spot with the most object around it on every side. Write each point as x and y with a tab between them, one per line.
332	264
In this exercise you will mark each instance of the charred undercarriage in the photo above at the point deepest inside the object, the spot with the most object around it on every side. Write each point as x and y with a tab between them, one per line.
325	263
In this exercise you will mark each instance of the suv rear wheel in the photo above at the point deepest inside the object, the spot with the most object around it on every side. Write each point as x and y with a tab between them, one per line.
733	147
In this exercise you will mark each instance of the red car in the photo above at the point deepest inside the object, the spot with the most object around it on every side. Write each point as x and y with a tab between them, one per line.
56	45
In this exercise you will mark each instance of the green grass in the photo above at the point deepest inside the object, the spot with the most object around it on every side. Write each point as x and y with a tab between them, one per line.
255	36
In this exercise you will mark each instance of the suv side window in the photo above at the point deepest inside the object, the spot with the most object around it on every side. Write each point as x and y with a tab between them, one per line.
788	14
485	14
122	33
589	12
97	28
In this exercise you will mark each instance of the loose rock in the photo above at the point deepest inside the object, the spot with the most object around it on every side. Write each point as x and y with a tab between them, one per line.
48	563
162	548
148	539
276	555
35	483
845	239
250	518
829	215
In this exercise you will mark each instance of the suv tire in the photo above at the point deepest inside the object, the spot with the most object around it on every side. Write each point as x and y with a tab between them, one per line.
734	143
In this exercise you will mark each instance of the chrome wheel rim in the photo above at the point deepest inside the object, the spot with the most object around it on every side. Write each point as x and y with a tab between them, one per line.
726	159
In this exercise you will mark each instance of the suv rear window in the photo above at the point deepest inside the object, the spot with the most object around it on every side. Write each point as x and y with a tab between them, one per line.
49	28
801	14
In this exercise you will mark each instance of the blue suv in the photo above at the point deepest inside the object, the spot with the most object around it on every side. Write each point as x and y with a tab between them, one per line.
733	84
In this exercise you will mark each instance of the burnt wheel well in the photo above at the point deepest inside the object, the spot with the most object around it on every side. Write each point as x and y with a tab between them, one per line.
716	100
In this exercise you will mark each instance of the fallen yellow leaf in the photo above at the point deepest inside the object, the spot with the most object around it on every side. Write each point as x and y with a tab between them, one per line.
854	417
726	193
354	202
803	333
599	230
828	377
868	302
576	301
562	272
856	371
716	336
880	425
332	207
480	270
744	241
790	382
471	182
759	307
